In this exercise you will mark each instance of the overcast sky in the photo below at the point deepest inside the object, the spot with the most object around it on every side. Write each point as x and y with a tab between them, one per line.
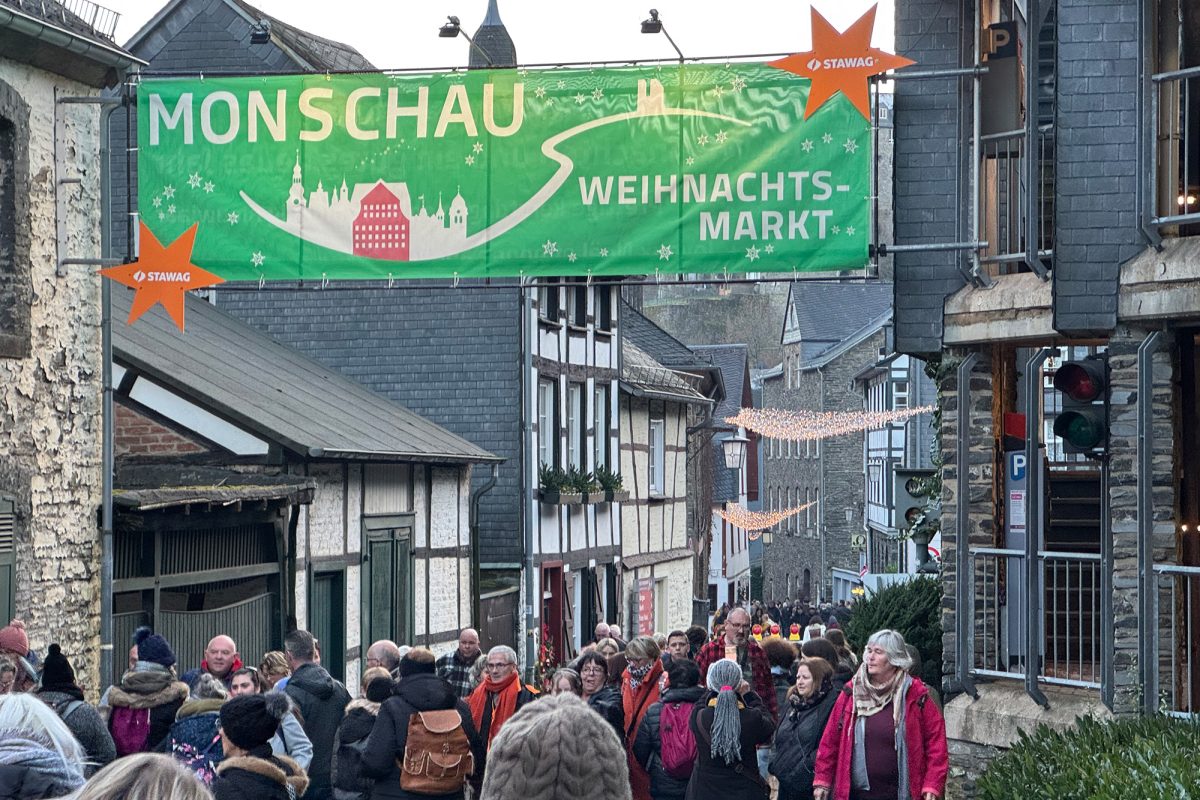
403	33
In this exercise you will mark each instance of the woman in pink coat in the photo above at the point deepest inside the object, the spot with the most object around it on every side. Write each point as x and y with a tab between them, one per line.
886	737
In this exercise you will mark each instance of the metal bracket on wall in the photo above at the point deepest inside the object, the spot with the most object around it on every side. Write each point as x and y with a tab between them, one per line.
62	178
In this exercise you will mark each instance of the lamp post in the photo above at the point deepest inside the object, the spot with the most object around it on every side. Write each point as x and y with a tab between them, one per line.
735	451
452	28
654	25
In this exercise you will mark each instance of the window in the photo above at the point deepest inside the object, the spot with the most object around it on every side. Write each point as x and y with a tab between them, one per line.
14	236
816	509
660	605
900	395
600	412
604	307
576	431
548	300
796	372
787	372
387	564
547	423
579	303
808	515
658	457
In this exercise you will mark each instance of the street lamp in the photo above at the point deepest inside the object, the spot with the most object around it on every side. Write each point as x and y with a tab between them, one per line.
735	451
654	25
452	28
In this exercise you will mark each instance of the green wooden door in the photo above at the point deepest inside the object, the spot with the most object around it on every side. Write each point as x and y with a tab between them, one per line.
327	619
388	584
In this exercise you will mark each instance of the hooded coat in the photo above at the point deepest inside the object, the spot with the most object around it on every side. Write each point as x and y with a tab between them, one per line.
152	688
422	692
194	737
349	783
85	724
259	776
31	770
322	702
647	747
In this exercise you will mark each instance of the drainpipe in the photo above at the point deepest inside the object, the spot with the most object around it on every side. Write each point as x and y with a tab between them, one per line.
1147	174
1148	635
1034	489
473	526
964	583
532	595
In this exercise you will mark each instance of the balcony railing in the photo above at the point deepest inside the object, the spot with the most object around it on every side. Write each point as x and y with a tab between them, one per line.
1175	120
77	15
1003	201
1176	594
1068	635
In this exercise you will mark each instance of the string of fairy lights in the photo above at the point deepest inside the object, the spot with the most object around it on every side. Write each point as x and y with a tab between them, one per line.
755	522
801	426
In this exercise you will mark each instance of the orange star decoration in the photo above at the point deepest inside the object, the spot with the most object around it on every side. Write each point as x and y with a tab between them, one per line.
162	275
840	62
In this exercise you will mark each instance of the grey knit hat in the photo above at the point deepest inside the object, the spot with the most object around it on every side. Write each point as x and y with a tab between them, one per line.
556	749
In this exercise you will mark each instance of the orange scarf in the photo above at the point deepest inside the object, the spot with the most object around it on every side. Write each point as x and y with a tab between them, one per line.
506	703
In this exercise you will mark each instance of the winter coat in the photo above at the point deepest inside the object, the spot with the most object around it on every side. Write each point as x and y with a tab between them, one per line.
292	741
322	702
386	743
194	738
713	779
348	746
647	747
783	682
607	703
760	669
796	742
924	736
155	689
86	726
30	769
259	776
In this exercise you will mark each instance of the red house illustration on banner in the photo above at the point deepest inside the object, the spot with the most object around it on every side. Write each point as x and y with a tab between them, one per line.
381	229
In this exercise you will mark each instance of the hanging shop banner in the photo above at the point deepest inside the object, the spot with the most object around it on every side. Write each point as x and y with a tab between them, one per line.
616	171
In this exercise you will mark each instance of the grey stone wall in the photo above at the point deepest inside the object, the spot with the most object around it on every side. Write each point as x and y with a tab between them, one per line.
715	317
980	523
50	399
838	472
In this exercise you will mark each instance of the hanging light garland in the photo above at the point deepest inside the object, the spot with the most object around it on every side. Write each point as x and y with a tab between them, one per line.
800	426
756	521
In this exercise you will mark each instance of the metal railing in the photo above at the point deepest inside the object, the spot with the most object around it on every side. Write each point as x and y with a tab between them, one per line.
1069	632
81	15
1175	173
1004	196
1173	629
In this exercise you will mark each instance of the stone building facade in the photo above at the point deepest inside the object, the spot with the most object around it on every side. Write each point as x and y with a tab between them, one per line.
50	365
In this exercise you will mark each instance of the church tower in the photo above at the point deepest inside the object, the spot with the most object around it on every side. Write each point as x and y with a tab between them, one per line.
492	38
295	202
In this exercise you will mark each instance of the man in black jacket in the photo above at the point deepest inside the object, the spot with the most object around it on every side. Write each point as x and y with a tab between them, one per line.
322	702
420	689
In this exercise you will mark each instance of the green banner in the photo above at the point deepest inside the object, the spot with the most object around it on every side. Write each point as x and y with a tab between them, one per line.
615	171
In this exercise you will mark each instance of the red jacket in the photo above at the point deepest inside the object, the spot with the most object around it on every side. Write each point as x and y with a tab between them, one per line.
924	733
760	668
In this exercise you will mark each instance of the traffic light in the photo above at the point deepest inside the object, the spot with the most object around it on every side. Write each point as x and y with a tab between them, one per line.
1083	422
911	496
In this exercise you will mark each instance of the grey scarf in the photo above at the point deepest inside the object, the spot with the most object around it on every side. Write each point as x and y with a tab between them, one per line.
858	769
21	748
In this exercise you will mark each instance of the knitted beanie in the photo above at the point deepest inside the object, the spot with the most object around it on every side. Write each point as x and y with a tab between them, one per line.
417	661
556	749
56	671
13	639
152	647
252	719
380	689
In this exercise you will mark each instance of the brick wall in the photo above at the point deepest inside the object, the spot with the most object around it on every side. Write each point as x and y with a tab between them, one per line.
138	434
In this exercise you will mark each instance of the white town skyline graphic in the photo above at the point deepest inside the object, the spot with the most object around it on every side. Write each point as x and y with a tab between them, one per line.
381	211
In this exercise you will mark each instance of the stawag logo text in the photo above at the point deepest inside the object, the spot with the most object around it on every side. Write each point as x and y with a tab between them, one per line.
815	64
162	277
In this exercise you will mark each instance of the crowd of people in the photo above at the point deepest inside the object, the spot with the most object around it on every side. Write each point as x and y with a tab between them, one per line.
686	716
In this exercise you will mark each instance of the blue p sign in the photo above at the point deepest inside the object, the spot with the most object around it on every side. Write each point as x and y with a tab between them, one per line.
1016	466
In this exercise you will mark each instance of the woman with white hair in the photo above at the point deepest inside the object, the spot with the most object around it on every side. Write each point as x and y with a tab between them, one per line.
38	755
729	723
886	737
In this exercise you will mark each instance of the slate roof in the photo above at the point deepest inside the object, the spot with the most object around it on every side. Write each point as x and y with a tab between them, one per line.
450	355
492	38
645	377
319	52
657	343
276	392
827	314
731	360
91	59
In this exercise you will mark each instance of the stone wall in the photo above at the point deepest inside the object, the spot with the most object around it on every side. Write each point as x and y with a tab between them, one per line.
50	400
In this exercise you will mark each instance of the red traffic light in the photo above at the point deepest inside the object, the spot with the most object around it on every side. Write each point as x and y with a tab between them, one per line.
1082	381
